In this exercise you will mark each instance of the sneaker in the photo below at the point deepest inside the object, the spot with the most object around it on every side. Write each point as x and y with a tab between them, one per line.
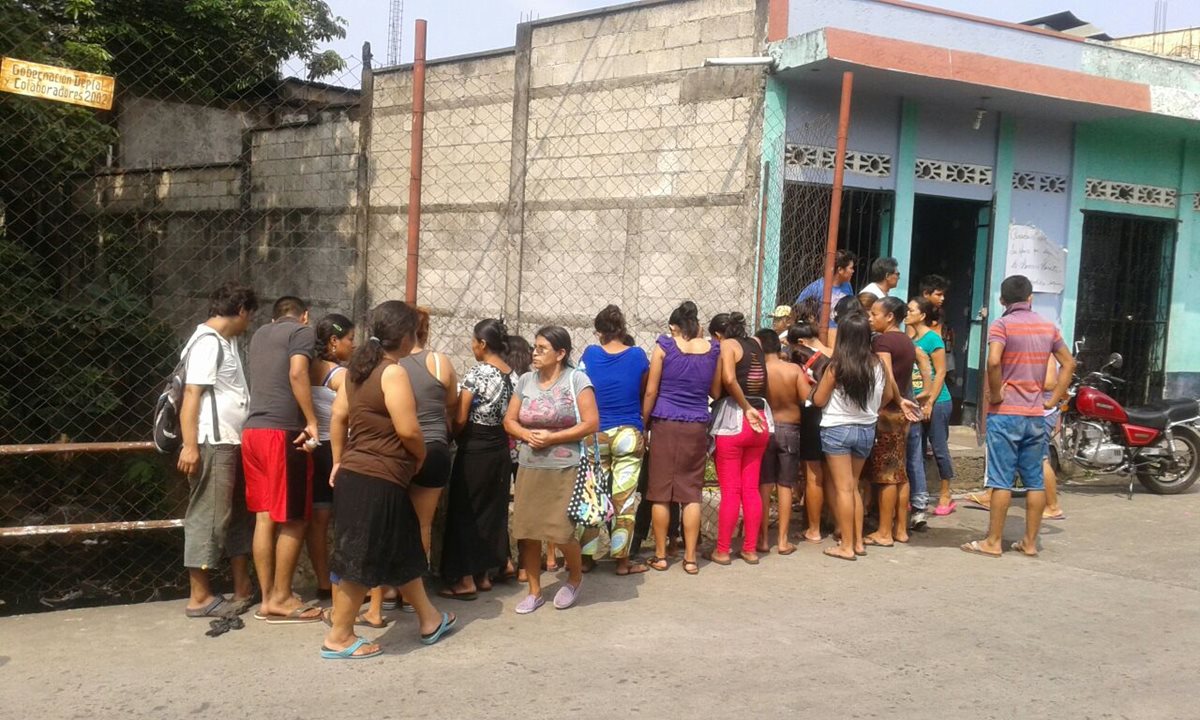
919	520
529	604
567	595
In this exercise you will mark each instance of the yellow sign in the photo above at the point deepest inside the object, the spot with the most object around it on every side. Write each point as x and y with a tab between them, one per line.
54	83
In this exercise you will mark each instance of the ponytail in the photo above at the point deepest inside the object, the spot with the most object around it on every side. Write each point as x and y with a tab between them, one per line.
390	325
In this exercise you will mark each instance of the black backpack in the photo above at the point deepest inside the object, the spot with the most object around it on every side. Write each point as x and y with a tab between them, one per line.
167	433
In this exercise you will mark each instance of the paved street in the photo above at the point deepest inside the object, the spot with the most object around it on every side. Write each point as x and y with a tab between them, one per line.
1105	624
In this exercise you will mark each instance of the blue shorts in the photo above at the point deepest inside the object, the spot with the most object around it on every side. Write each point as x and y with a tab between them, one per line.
1016	445
856	440
1051	421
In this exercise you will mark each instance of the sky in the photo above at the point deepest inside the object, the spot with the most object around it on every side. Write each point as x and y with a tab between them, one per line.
464	26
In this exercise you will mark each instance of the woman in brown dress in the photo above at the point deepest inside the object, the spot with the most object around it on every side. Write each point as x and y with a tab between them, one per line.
377	449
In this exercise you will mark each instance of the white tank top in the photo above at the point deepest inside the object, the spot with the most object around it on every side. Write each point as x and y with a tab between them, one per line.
841	410
322	398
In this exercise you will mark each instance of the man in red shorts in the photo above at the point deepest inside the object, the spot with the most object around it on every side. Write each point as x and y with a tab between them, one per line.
277	467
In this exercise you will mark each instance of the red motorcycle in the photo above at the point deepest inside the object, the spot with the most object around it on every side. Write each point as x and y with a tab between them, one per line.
1159	444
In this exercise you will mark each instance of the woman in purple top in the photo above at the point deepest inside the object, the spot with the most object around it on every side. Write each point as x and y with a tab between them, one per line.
675	412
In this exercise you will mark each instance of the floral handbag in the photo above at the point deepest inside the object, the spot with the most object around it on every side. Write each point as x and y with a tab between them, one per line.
591	500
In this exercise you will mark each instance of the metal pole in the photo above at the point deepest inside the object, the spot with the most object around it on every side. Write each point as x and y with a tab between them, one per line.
835	207
65	448
362	188
762	245
414	165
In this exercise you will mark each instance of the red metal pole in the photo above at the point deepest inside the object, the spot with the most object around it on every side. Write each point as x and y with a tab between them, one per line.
414	165
835	207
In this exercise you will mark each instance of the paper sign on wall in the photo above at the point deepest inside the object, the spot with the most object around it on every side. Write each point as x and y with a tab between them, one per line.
1032	254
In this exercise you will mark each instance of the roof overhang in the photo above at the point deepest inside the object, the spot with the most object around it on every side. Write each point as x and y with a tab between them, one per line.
920	70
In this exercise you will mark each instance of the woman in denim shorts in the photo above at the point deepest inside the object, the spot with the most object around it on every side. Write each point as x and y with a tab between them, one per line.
851	393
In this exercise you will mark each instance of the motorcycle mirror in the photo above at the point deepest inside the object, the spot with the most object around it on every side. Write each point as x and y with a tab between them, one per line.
1116	361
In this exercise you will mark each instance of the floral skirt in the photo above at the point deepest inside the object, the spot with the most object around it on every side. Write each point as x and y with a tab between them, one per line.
886	465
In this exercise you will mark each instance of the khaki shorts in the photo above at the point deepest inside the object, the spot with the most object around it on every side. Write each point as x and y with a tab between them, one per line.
216	523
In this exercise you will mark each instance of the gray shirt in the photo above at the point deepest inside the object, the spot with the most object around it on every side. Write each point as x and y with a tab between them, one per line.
272	404
551	409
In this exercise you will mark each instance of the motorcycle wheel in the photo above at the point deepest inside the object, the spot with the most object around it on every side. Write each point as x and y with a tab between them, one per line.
1187	444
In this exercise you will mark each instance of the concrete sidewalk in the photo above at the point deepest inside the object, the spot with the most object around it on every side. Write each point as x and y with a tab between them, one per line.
1104	624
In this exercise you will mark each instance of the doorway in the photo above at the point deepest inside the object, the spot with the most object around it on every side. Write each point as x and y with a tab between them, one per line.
1125	273
950	237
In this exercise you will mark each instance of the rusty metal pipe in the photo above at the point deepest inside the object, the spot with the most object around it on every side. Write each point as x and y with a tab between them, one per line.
414	165
96	447
88	528
835	207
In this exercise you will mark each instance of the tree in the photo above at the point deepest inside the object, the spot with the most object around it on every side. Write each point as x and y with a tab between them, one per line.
76	330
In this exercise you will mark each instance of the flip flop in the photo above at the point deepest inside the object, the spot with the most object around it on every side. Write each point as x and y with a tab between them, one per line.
448	622
752	559
814	542
1060	516
1018	547
630	569
362	621
872	541
789	551
295	617
974	549
451	594
209	610
829	552
977	501
348	652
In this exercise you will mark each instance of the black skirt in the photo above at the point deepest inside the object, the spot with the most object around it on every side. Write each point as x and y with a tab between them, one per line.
377	537
476	538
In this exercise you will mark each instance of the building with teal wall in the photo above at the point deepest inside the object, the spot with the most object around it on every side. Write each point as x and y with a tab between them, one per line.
967	131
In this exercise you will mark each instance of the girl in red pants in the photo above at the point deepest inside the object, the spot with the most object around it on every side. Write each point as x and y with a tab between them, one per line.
741	426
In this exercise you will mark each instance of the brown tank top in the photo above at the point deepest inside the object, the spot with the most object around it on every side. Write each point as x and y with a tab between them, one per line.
373	449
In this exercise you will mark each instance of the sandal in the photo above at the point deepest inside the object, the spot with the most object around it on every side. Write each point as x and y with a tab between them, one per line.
452	594
690	567
709	556
634	568
975	548
658	563
351	652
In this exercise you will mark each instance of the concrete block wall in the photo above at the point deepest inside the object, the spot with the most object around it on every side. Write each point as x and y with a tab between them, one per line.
640	186
308	166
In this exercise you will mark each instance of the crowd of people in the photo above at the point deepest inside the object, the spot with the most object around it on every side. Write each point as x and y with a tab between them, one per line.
344	437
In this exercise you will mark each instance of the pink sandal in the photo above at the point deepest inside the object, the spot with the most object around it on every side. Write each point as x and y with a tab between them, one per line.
944	510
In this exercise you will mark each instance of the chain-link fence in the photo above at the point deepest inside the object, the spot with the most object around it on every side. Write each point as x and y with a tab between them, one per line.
559	177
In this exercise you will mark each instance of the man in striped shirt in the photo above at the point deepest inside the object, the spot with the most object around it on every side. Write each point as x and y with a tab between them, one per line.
1019	346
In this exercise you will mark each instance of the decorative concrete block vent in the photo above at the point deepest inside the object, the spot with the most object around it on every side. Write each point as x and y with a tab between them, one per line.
1131	193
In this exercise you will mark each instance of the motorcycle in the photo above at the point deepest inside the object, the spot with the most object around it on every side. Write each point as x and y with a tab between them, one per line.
1159	444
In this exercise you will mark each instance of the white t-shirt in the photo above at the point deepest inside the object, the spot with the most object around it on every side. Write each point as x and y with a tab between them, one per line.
228	383
841	410
875	290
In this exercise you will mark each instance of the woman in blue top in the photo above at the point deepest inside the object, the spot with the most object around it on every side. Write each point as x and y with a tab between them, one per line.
934	398
618	374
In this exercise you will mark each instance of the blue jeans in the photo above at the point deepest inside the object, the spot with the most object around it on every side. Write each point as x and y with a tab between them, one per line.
856	440
1016	445
937	430
914	461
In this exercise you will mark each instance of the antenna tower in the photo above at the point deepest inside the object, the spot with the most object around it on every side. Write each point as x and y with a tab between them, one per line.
395	23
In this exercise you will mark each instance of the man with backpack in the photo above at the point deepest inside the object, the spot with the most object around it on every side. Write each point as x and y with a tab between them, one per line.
214	404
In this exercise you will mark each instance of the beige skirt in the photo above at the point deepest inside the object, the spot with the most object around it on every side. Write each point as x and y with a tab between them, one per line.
540	501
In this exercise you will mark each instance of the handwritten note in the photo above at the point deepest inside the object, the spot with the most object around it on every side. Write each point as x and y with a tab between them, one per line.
1032	254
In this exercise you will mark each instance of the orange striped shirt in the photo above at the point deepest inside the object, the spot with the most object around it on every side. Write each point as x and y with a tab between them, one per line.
1028	340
